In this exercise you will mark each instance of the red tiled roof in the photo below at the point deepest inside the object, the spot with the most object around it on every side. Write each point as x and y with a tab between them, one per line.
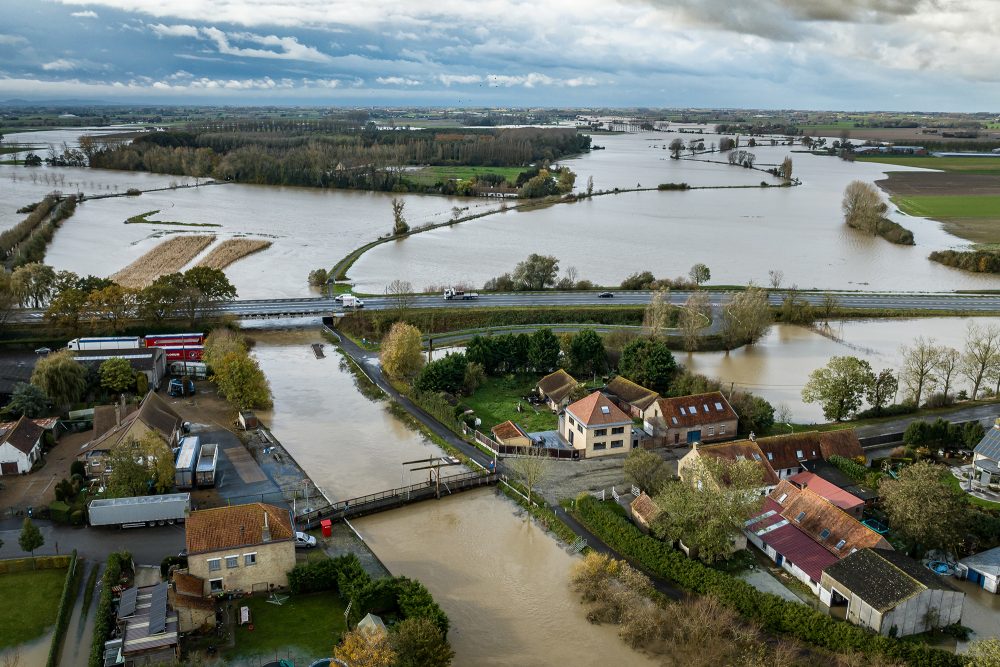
814	516
783	450
235	526
597	410
826	490
800	549
645	508
738	451
508	430
696	410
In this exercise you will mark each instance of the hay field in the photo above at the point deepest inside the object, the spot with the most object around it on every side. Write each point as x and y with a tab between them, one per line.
232	250
169	256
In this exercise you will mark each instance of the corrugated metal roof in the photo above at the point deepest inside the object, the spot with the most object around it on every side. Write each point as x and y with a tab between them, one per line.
987	562
800	549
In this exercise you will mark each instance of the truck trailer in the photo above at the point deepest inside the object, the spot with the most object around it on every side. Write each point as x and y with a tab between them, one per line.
184	466
207	460
452	293
105	343
140	511
167	340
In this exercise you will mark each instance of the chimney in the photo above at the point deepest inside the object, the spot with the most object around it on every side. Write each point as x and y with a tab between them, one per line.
118	415
265	535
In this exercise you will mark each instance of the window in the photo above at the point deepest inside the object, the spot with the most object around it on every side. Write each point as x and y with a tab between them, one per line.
722	430
250	559
693	410
674	419
718	406
682	412
579	428
711	430
215	585
617	430
601	431
825	533
770	456
756	456
801	516
615	444
95	463
605	410
840	545
798	453
705	406
781	500
571	434
232	561
600	445
572	422
214	564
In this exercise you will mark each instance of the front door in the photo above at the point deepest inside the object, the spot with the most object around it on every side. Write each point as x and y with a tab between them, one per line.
693	437
779	559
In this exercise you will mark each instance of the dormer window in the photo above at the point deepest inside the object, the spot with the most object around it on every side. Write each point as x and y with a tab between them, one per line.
798	454
801	516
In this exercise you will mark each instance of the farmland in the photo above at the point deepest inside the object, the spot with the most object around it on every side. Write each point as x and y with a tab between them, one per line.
170	256
967	165
232	250
432	175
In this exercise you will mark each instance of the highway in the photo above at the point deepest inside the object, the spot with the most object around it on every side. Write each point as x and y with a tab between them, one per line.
875	301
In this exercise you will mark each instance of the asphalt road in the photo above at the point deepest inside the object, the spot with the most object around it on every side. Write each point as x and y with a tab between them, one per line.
148	546
915	301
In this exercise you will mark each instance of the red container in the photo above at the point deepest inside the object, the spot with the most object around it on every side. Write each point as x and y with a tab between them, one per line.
327	526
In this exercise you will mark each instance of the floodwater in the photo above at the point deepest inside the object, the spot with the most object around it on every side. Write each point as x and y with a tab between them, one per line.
503	582
739	233
779	365
981	612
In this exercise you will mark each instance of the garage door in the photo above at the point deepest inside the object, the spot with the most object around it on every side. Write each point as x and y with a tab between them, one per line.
8	468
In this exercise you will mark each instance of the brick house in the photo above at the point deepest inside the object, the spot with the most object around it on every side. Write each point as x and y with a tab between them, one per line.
241	547
790	454
704	418
595	426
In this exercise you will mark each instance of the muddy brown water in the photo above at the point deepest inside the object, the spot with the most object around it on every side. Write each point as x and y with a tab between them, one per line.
502	580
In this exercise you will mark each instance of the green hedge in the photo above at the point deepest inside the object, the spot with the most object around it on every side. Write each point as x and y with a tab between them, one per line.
103	623
36	563
399	596
65	608
774	614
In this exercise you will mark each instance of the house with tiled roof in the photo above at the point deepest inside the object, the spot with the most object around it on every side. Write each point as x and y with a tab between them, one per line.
741	450
594	426
701	418
510	434
644	511
186	595
986	455
119	424
632	398
830	492
241	547
20	446
891	593
556	389
790	454
804	533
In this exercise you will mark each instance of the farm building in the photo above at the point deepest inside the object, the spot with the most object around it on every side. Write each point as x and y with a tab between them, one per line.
150	361
790	454
121	425
743	450
830	492
555	389
891	593
644	511
702	418
632	398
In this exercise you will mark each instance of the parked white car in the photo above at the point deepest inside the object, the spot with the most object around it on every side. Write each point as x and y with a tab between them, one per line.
303	541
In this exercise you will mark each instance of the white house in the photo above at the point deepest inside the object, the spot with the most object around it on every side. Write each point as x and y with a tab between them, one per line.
20	446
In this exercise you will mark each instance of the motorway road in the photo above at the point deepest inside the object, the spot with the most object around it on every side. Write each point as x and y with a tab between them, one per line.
925	302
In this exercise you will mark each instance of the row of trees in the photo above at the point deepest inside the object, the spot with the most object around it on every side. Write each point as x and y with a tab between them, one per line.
237	375
928	373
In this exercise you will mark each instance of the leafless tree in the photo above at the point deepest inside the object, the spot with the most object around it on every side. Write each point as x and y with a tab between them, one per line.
919	362
532	468
948	359
693	317
775	277
982	345
657	316
400	292
863	206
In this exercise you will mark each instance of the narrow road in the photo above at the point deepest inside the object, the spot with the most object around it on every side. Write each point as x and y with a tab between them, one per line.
984	413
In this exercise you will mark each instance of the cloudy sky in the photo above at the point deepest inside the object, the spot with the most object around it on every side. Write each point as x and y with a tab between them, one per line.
803	54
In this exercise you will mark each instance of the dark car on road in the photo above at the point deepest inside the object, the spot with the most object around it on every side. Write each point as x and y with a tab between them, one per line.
606	295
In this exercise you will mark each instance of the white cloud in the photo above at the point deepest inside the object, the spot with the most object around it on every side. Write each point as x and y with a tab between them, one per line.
161	30
290	47
536	79
85	14
448	79
59	65
12	40
396	81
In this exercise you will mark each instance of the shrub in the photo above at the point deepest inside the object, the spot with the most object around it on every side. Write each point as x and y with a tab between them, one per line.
66	601
103	622
888	411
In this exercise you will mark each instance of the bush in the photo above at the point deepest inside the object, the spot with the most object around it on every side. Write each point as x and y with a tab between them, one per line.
103	622
976	261
855	470
77	468
888	411
774	614
59	511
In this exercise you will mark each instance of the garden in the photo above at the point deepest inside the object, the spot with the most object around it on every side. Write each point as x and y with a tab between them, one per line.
37	594
310	625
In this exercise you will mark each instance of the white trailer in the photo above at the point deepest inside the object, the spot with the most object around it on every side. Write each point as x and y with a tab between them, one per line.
207	460
140	511
106	343
351	301
186	462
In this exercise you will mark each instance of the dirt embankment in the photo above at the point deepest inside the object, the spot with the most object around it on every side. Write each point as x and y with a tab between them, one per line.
937	183
170	256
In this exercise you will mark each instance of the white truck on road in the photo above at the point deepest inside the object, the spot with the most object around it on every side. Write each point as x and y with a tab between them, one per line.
452	293
351	301
139	511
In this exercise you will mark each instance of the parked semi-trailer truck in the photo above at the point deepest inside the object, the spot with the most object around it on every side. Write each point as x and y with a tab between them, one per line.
140	511
106	343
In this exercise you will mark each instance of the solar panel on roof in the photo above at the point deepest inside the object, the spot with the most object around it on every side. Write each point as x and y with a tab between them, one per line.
158	609
126	607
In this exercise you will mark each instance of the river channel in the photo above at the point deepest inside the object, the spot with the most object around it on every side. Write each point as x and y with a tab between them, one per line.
502	581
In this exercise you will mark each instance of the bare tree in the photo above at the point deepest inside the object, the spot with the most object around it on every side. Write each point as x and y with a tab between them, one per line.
532	468
919	362
399	225
982	345
947	367
695	315
657	316
786	168
829	306
400	292
590	185
775	277
863	206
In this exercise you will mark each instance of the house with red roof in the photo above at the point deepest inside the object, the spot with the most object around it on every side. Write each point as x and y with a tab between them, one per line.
702	418
594	426
830	492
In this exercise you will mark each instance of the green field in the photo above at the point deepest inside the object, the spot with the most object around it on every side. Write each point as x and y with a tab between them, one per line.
496	401
839	125
950	206
306	624
968	165
432	175
37	594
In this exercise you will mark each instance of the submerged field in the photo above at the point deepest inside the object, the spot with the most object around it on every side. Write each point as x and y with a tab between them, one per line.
232	250
169	256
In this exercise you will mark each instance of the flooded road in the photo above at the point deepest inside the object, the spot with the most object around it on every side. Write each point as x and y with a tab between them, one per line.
503	582
779	365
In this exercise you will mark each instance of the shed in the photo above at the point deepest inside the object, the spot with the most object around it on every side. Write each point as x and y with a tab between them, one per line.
983	569
248	420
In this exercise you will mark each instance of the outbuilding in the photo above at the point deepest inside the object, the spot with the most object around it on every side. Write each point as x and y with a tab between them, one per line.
20	446
983	569
150	361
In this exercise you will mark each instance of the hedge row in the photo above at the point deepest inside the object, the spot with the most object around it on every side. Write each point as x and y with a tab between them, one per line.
36	563
105	610
774	614
66	601
346	576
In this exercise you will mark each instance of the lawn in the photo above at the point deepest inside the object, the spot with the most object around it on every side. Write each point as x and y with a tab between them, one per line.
954	482
969	165
431	175
496	401
950	206
37	594
312	624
